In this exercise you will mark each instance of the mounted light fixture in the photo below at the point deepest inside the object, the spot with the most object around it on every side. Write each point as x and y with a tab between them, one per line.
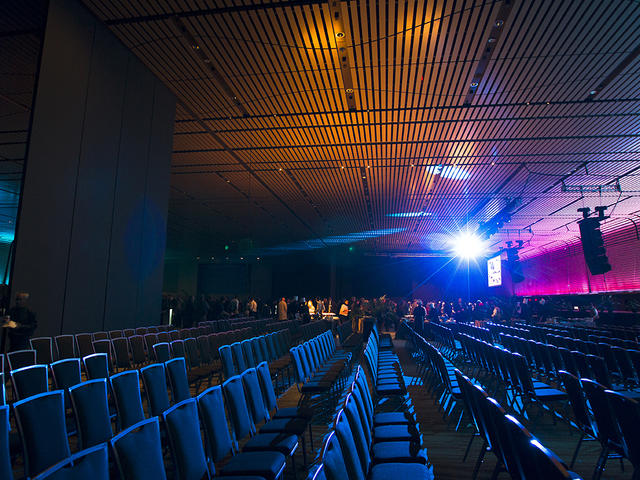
340	34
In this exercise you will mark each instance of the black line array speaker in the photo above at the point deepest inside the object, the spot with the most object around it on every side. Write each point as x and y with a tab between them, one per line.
595	253
513	264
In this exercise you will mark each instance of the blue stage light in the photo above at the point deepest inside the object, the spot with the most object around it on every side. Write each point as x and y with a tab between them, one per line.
468	245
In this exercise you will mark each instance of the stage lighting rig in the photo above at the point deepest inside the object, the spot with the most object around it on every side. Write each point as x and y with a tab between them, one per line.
495	223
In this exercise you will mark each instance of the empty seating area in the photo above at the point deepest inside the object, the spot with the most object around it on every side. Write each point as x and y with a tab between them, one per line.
503	378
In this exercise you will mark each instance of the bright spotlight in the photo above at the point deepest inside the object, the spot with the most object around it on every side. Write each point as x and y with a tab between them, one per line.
468	245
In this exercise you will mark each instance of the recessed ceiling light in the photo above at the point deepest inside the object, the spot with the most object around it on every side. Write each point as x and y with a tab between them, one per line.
474	84
412	165
547	103
593	92
279	169
363	176
349	90
368	166
499	23
491	40
341	167
340	34
493	163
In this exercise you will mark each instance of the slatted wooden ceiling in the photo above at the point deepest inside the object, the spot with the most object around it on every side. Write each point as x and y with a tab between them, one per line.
305	119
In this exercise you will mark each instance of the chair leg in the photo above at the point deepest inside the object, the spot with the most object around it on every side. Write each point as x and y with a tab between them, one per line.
476	468
575	453
602	460
466	452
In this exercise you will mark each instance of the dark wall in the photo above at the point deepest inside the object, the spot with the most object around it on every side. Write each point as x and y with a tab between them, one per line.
92	226
309	275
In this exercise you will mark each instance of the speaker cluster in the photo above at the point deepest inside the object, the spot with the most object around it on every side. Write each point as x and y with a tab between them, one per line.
595	253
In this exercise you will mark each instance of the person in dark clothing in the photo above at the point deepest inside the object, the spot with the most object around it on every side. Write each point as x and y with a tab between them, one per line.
21	323
419	314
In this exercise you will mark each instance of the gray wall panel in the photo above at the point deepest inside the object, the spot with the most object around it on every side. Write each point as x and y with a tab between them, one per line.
90	241
50	177
156	204
124	264
98	163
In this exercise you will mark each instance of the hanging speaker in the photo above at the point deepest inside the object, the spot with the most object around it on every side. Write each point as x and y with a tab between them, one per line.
513	264
595	254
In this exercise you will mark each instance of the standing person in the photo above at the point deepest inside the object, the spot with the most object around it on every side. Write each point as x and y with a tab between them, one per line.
344	312
282	309
21	323
235	305
252	307
319	307
419	314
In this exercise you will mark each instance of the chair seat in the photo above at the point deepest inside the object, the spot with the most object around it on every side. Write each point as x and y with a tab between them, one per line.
550	394
391	418
294	426
264	464
393	389
293	412
414	471
279	442
395	433
398	452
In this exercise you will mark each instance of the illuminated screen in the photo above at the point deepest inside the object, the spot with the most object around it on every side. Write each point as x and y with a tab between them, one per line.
494	271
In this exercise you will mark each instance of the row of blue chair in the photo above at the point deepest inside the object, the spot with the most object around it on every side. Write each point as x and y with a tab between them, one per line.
319	368
364	444
517	451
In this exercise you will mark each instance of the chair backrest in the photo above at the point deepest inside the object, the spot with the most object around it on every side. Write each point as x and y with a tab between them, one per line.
204	348
247	350
626	413
97	336
65	345
150	339
238	409
183	427
605	424
5	457
155	388
41	419
228	367
177	349
332	459
66	373
115	334
44	349
577	401
121	352
91	412
238	357
128	332
21	358
96	366
104	346
141	331
163	337
89	463
84	342
349	449
138	451
161	352
358	429
126	391
268	392
214	422
136	345
193	353
31	380
255	399
178	380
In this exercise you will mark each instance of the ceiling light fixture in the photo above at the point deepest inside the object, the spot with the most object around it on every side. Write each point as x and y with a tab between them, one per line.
340	34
